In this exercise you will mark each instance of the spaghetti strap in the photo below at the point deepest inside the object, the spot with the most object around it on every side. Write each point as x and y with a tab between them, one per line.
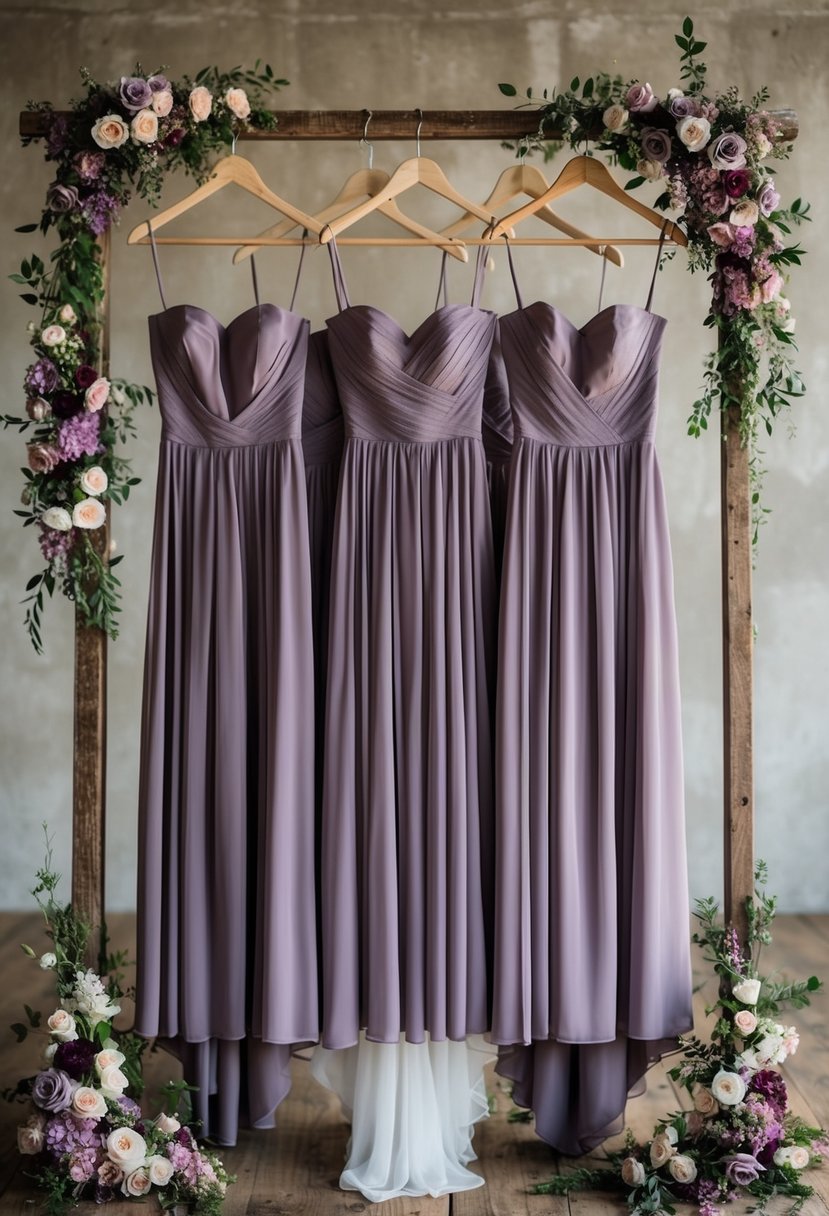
601	282
339	278
480	267
255	280
518	298
155	263
656	264
442	285
298	270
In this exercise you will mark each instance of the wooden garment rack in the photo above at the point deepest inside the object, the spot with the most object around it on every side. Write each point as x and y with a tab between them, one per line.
89	790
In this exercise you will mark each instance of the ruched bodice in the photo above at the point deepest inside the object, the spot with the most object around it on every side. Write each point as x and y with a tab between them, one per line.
411	389
229	386
587	387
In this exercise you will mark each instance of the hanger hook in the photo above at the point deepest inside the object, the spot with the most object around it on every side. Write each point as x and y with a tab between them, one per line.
419	114
522	150
364	139
233	144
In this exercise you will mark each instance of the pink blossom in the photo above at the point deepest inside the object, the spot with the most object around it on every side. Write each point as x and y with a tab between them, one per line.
721	234
771	287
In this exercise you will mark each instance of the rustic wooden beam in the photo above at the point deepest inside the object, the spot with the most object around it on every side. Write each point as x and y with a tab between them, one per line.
89	784
738	673
400	124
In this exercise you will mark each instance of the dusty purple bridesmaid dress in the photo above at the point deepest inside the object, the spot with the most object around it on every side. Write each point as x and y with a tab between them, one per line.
592	976
226	900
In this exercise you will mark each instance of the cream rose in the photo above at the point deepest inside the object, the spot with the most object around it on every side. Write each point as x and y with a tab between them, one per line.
89	513
661	1150
160	1170
95	397
682	1168
167	1123
615	118
30	1138
94	481
745	215
799	1157
694	132
633	1172
113	1081
651	170
728	1088
763	145
53	335
68	315
745	1021
110	1174
126	1148
162	102
49	1052
704	1101
200	102
88	1103
108	1058
49	960
747	991
137	1182
144	127
110	131
237	102
59	519
60	1023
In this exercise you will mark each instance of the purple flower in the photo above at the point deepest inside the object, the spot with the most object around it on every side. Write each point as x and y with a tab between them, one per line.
768	199
135	93
158	83
52	1090
79	436
773	1088
684	107
736	182
75	1057
61	199
743	1169
66	403
640	99
99	209
656	144
57	137
742	243
54	544
42	377
89	165
66	1133
727	151
129	1105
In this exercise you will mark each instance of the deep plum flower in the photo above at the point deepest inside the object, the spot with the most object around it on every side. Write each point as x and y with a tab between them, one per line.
174	137
61	199
58	134
736	182
52	1090
742	1169
773	1088
85	375
66	403
135	93
656	144
42	377
75	1057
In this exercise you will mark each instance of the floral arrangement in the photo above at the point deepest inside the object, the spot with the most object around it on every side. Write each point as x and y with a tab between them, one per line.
712	154
738	1136
86	1136
118	138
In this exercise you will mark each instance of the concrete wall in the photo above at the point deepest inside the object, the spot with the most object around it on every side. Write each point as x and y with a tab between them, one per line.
349	53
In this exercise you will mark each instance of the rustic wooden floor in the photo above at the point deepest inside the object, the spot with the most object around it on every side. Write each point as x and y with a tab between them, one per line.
294	1169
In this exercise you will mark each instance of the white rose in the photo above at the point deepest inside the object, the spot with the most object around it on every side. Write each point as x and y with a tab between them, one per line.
90	513
126	1148
108	1058
113	1081
615	118
53	335
88	1103
694	132
167	1123
160	1170
633	1172
682	1168
672	93
162	102
747	991
110	131
144	127
745	215
671	1132
799	1157
117	394
94	480
728	1088
661	1150
651	170
62	1026
770	1051
49	1052
747	1059
68	315
60	520
745	1021
30	1139
137	1182
49	960
237	102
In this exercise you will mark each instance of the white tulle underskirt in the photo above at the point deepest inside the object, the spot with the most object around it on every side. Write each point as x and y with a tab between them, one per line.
413	1108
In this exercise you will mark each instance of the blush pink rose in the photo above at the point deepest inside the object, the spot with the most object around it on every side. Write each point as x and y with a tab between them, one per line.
745	1021
96	396
144	127
200	102
237	102
640	99
721	234
162	103
110	131
89	513
771	287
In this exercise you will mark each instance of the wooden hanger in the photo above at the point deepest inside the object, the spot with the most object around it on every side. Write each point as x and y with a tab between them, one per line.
232	170
361	183
528	179
588	170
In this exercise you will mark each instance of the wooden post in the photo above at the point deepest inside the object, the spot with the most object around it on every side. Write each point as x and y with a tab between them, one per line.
738	673
89	784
